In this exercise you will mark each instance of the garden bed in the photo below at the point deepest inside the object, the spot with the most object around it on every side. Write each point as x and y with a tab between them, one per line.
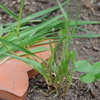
85	47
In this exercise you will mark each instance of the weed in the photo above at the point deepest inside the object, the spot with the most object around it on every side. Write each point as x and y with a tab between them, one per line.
56	75
91	72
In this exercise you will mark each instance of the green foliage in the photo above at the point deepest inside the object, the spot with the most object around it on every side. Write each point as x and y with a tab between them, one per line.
1	30
91	72
20	36
8	11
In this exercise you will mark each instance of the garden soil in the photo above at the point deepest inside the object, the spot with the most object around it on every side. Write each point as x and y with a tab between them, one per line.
85	47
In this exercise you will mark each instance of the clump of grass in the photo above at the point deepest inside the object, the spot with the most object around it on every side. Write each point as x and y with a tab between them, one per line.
56	75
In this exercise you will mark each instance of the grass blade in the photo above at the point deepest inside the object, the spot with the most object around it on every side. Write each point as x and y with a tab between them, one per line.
36	15
9	44
1	30
9	11
33	64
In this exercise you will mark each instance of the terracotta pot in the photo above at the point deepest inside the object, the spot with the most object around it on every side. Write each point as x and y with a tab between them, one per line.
15	74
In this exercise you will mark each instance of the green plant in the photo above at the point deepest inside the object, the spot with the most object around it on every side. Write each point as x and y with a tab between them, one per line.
57	76
91	72
23	35
29	35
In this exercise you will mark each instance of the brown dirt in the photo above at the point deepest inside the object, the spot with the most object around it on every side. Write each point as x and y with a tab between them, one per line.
85	47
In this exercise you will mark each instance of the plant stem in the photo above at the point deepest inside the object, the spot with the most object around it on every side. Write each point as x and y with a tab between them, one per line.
9	49
19	21
77	16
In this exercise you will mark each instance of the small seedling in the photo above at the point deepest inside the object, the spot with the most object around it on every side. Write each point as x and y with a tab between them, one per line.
91	71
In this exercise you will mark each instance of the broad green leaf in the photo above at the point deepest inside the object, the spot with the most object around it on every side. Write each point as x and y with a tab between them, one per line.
83	66
96	68
88	78
97	77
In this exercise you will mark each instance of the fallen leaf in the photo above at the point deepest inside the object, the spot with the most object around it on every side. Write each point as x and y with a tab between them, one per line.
87	3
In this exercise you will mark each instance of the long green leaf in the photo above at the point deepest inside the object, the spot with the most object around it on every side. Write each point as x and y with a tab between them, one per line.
16	46
36	15
1	30
35	50
9	11
64	13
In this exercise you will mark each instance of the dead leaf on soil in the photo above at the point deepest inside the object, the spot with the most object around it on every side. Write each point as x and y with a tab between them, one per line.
88	4
95	48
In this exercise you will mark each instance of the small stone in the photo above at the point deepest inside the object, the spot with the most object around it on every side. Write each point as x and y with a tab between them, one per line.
18	1
14	2
77	42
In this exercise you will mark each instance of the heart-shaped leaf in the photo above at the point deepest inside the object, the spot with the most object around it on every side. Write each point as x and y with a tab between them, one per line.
83	66
88	78
96	68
